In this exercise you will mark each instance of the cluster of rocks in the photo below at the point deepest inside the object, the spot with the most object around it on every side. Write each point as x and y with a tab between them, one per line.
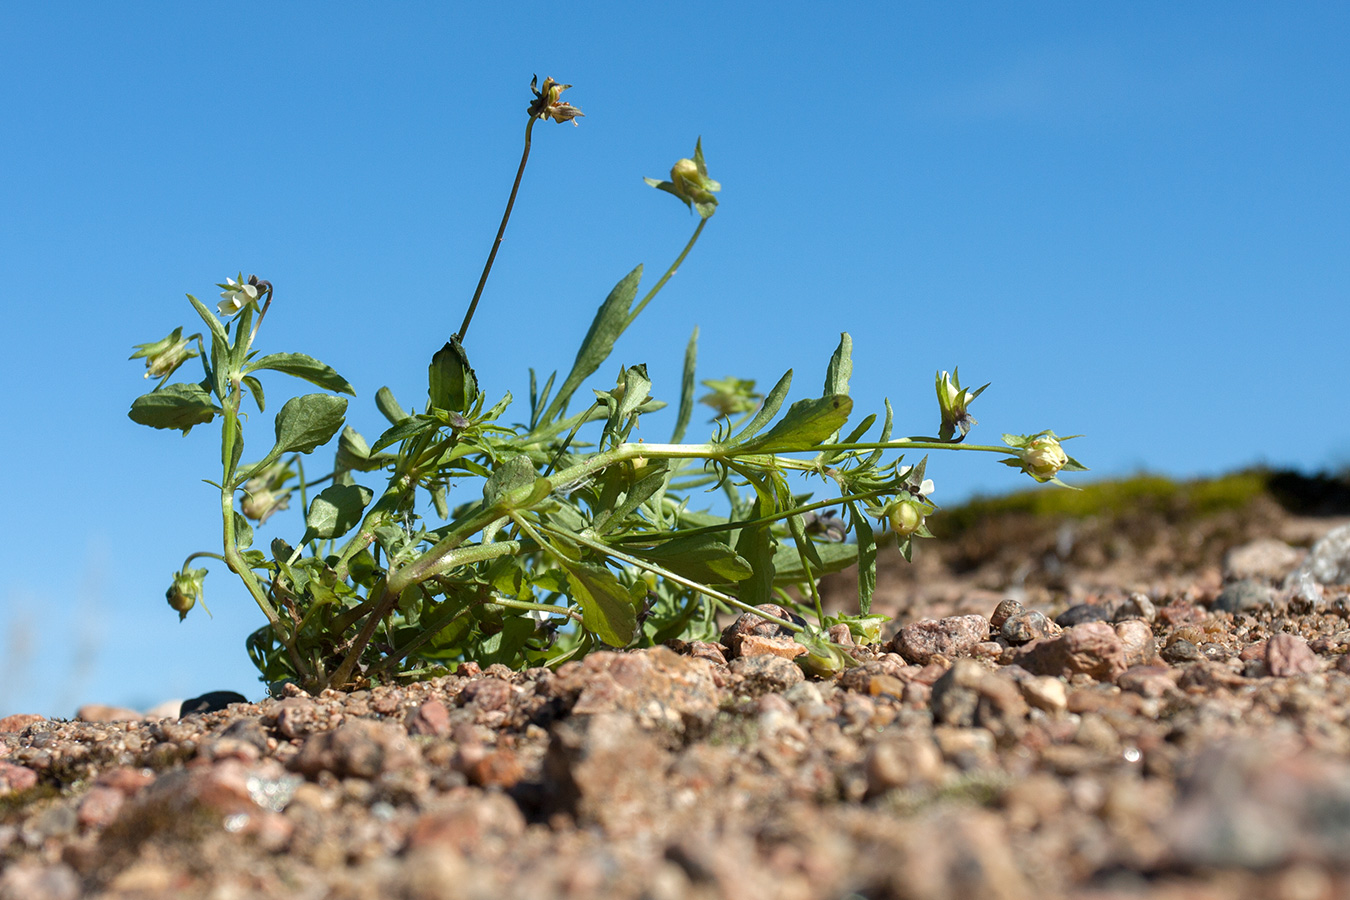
1190	744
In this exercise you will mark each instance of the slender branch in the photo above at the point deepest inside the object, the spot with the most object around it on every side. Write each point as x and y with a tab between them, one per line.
506	216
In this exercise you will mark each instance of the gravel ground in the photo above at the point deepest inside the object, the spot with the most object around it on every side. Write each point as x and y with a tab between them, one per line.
1111	708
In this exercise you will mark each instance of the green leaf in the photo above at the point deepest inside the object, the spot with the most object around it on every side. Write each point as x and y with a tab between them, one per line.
255	387
805	546
305	367
177	406
406	428
840	368
212	322
511	474
767	410
388	406
867	559
243	532
756	546
307	422
336	511
606	608
700	557
504	646
787	564
609	322
652	479
686	389
807	423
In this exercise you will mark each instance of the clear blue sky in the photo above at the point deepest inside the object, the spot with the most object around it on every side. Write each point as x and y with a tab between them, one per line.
1133	219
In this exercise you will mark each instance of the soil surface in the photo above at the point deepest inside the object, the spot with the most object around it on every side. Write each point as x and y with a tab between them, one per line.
1141	704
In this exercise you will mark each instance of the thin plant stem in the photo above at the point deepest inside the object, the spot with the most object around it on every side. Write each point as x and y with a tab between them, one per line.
674	267
506	217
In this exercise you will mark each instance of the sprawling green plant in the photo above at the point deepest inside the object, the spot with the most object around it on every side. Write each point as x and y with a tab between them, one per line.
564	546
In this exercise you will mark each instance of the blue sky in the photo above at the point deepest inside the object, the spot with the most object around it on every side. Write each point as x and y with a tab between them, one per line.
1132	219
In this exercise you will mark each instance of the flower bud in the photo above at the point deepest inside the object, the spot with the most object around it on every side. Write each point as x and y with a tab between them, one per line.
163	357
690	182
185	591
906	516
259	504
1043	457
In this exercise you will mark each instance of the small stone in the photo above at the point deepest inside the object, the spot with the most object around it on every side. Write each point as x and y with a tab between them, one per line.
18	722
658	685
489	693
1137	639
431	718
919	642
212	701
1136	606
1244	596
1265	558
970	695
902	762
100	806
1288	655
1027	626
765	674
1092	648
967	748
1003	612
15	778
1083	612
1328	562
751	624
708	650
169	709
98	712
29	879
297	717
1045	692
1148	681
359	748
1180	650
758	645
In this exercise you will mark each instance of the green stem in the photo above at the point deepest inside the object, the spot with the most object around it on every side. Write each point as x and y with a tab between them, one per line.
414	573
501	230
674	267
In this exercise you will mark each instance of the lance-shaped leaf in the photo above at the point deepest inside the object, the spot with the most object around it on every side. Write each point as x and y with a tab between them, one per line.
307	422
177	406
767	410
304	367
606	608
388	406
700	557
609	322
787	562
841	367
336	511
807	423
686	389
755	545
867	558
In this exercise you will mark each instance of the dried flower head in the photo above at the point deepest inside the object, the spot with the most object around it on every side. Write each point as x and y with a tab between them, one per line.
546	104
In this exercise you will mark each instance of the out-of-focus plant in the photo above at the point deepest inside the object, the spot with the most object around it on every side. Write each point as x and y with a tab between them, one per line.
550	547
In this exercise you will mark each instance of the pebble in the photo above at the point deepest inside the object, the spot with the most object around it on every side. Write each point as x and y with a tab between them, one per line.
751	624
762	674
432	718
1092	648
1180	650
1328	563
1027	626
1136	606
1288	655
1083	612
1137	639
18	722
758	645
920	642
1264	558
98	712
1244	596
15	778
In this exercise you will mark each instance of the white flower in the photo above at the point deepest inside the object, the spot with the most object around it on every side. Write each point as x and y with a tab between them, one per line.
236	296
